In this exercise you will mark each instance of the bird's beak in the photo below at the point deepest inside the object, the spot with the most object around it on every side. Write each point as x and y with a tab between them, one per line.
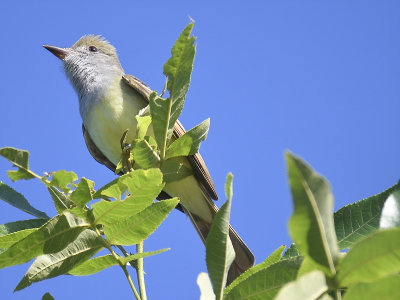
61	53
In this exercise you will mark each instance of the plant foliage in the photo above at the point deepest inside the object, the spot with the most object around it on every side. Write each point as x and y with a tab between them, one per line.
353	253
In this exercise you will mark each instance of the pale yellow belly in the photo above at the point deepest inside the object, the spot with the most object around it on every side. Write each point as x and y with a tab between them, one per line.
107	121
109	117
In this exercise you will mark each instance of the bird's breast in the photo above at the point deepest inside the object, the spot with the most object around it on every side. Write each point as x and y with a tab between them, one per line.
110	114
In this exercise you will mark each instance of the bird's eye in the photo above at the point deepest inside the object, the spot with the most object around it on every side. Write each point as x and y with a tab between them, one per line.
93	49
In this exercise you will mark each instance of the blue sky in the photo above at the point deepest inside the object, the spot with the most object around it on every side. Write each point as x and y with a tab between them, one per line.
319	79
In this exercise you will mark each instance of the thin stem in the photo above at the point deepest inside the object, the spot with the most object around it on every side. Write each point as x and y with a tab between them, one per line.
140	272
128	277
132	263
338	294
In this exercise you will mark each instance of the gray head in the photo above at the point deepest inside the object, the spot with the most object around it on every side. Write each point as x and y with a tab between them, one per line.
90	64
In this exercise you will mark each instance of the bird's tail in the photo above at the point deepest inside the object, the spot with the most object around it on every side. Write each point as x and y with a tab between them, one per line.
244	257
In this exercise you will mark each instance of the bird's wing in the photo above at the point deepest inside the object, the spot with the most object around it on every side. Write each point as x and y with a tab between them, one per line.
95	152
196	161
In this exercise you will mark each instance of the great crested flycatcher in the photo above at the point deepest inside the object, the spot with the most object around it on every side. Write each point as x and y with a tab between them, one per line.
109	100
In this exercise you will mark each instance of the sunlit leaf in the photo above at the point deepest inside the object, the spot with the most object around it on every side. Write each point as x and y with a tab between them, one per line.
308	287
273	258
390	216
143	185
83	192
114	189
138	227
63	179
189	143
143	124
372	258
165	112
144	155
266	283
386	288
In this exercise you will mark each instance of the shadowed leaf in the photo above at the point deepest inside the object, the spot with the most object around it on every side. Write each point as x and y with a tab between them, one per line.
101	263
219	249
48	266
311	225
357	220
52	237
17	200
19	158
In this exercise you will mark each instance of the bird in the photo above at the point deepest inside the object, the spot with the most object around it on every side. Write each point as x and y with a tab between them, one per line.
109	100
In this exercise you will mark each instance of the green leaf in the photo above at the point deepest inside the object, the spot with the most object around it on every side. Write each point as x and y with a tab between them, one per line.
114	189
204	283
266	283
62	179
178	70
189	143
61	201
144	155
357	220
143	123
52	237
143	185
161	115
47	296
19	158
311	225
308	287
390	216
386	288
292	251
219	249
8	240
135	229
273	258
83	192
48	266
12	227
17	200
372	258
174	170
101	263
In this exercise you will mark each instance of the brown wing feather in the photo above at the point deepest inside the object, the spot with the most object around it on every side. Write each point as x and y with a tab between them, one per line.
196	161
95	152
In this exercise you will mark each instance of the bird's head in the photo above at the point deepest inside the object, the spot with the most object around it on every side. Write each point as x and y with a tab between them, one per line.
91	61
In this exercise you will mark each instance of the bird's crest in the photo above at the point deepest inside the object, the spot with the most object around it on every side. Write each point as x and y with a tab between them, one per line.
98	41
